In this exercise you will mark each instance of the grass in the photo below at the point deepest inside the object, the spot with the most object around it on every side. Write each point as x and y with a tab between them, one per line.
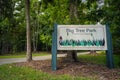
23	54
117	61
12	72
99	59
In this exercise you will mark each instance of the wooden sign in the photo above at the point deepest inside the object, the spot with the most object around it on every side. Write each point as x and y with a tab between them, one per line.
81	37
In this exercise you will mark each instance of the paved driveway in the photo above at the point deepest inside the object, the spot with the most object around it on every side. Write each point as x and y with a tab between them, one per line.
14	60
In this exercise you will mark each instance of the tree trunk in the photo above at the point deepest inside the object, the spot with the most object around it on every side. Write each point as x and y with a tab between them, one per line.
34	43
35	34
73	11
29	53
72	55
93	52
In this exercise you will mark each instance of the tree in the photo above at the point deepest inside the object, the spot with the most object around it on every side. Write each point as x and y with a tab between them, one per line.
44	13
6	18
73	12
36	30
52	11
28	33
112	10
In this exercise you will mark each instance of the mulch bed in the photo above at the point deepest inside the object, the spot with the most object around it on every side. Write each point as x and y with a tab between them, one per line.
83	69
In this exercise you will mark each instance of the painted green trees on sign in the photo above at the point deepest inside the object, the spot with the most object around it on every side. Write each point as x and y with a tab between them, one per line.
82	42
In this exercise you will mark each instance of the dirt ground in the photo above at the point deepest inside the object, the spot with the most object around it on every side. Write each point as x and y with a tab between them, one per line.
83	69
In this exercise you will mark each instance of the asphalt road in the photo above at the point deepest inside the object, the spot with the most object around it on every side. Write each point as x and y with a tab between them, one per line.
14	60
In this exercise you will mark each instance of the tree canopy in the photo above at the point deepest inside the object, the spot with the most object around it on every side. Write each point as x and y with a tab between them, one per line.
43	15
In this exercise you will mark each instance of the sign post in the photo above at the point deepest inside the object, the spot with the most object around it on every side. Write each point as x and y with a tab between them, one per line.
109	51
54	48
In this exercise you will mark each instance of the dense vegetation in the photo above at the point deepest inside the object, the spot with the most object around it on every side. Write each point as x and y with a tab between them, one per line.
43	15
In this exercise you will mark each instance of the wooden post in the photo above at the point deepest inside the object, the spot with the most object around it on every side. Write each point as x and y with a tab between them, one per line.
109	52
54	48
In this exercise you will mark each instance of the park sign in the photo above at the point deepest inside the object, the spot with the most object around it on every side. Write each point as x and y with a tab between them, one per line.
81	37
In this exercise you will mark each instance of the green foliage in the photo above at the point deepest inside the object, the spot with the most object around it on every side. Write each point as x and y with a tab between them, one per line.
49	14
12	72
6	9
12	27
44	13
112	15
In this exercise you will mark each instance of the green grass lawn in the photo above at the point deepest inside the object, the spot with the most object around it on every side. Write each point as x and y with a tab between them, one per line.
23	54
12	72
99	59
